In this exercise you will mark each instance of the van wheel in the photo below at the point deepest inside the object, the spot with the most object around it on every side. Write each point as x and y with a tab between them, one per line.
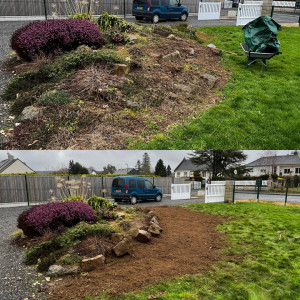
183	17
133	200
158	198
138	18
155	19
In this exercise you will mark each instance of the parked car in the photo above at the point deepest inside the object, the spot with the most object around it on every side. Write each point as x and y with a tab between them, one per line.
134	188
159	9
235	3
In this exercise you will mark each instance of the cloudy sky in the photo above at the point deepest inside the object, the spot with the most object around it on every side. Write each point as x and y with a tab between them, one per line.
56	159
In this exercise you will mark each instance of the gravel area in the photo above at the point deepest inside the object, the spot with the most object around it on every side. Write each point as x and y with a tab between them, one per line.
16	279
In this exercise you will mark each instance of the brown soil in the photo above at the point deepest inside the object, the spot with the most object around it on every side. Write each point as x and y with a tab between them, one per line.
167	92
187	245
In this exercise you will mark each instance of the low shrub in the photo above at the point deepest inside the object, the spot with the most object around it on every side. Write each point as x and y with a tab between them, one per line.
54	37
81	16
70	259
99	202
106	21
55	97
54	217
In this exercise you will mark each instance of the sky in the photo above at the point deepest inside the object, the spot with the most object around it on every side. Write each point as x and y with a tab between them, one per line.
51	160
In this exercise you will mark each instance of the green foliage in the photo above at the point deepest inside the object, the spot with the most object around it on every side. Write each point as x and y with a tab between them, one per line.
70	259
160	169
256	263
106	21
55	97
99	202
256	103
82	16
77	168
74	198
53	248
62	67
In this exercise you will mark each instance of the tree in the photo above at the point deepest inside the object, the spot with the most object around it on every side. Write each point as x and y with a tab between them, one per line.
219	162
160	169
197	176
146	166
76	168
169	170
109	169
138	166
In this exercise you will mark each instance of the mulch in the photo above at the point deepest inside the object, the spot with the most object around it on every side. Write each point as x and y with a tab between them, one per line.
187	245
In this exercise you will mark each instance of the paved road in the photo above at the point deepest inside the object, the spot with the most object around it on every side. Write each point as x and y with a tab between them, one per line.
293	198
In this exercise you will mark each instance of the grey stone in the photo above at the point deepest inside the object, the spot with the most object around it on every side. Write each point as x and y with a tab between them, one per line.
122	248
210	80
89	264
120	215
117	237
30	113
142	236
172	56
121	69
57	270
153	230
133	104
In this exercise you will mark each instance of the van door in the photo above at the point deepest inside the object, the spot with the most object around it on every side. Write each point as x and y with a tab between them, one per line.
164	7
139	5
149	190
141	189
175	10
118	186
132	186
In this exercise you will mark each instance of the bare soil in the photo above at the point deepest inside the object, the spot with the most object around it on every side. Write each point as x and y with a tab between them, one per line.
167	93
187	245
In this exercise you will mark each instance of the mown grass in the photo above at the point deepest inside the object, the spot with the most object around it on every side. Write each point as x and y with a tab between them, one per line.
260	109
256	265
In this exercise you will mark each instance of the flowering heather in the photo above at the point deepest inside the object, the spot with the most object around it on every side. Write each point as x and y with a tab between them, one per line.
54	216
54	37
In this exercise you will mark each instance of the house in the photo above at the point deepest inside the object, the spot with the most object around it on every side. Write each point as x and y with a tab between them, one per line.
186	169
282	165
13	165
127	171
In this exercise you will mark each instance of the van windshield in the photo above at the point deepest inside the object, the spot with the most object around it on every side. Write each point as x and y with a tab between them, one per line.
140	1
118	183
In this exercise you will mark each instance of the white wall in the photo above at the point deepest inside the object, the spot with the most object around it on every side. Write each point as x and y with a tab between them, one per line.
17	167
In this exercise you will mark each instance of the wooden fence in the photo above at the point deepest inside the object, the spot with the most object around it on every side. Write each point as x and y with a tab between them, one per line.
39	189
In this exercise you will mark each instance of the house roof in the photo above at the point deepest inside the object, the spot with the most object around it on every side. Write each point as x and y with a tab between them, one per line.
187	165
4	164
131	171
275	160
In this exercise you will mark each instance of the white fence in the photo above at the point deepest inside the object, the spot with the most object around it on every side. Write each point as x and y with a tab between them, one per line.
284	3
209	10
248	13
215	192
197	185
249	182
181	191
227	4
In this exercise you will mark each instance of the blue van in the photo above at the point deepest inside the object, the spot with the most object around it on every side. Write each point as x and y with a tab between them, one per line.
159	9
134	189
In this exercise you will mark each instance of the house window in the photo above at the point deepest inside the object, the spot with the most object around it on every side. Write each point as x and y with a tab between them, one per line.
178	174
274	170
297	170
287	171
262	170
204	174
185	174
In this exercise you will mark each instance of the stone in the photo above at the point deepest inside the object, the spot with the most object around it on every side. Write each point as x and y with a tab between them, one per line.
57	270
142	236
172	56
153	230
171	37
30	113
154	220
156	226
191	51
132	37
133	105
121	69
210	80
122	248
216	51
211	46
90	264
120	215
152	214
117	237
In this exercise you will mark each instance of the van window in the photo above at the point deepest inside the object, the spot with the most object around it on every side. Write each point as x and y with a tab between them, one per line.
174	2
140	1
118	183
132	184
155	2
148	185
140	184
164	2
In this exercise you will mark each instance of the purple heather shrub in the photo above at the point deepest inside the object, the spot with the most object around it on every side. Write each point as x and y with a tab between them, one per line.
54	37
36	220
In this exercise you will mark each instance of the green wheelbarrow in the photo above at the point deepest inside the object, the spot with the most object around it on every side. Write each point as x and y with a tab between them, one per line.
253	56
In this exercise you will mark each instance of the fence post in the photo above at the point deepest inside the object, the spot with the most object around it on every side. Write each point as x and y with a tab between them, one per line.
258	192
233	192
45	9
286	194
124	7
26	185
102	187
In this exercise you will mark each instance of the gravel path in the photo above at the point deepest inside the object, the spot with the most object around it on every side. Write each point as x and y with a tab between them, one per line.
16	279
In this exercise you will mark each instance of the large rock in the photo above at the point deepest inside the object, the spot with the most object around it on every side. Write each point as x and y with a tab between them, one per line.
122	248
156	226
152	214
210	80
30	113
121	69
57	270
89	264
117	237
172	56
153	230
142	236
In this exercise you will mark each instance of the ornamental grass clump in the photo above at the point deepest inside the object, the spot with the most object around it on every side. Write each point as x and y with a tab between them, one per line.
54	37
56	216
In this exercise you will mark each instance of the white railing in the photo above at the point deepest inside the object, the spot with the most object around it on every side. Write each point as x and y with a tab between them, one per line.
214	192
197	185
248	13
209	10
181	191
253	2
284	3
249	182
227	4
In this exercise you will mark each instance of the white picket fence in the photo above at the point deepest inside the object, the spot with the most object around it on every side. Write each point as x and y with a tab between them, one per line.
227	4
284	3
249	182
181	191
215	192
197	185
248	13
209	10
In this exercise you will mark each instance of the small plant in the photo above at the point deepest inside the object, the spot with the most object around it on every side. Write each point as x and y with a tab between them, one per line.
81	16
54	37
101	203
54	97
37	220
70	259
106	21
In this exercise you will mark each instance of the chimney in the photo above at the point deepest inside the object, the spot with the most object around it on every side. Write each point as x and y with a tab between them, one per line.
10	157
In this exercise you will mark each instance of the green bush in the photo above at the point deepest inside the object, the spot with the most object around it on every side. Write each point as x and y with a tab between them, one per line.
55	97
74	198
106	21
81	16
99	202
70	259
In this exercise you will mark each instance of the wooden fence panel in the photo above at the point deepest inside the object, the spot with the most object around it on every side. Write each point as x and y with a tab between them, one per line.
12	189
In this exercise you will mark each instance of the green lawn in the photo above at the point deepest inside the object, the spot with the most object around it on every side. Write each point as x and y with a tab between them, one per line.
260	109
257	265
